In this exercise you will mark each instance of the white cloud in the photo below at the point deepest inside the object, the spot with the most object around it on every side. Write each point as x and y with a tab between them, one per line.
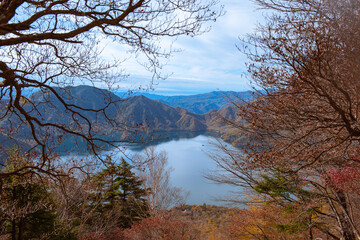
207	62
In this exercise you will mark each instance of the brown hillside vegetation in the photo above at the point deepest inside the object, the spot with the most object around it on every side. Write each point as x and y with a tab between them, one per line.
305	124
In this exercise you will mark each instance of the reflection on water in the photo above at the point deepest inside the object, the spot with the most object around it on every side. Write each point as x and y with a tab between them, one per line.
188	156
190	160
77	146
164	137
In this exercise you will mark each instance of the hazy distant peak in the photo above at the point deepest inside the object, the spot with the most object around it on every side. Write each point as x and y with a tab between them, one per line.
204	102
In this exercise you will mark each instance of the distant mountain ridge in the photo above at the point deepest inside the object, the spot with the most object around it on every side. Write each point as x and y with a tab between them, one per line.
133	112
199	103
159	116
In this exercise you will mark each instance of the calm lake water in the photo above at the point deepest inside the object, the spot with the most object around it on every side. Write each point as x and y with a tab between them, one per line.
190	160
188	154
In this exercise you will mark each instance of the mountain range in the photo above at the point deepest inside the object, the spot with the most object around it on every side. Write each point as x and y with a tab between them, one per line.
181	113
198	103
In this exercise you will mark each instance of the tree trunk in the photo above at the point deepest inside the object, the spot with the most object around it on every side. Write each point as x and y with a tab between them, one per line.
347	228
13	230
21	229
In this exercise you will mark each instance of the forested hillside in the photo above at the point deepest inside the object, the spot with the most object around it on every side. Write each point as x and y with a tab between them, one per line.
129	113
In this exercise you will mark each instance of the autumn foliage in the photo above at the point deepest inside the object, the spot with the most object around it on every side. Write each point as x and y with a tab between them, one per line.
303	127
161	227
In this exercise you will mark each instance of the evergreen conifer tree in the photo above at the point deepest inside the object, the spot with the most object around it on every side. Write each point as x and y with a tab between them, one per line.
120	189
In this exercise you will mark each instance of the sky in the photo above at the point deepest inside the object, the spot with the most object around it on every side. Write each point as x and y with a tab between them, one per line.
205	63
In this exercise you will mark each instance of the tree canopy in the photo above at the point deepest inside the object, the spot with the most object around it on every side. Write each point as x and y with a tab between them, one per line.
120	188
304	124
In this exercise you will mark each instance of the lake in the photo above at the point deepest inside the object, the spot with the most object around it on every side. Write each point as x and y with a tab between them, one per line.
189	158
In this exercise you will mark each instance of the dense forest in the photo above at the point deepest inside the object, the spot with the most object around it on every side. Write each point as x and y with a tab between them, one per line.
298	130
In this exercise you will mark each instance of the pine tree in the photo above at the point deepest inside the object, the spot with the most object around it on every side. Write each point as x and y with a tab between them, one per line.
121	190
